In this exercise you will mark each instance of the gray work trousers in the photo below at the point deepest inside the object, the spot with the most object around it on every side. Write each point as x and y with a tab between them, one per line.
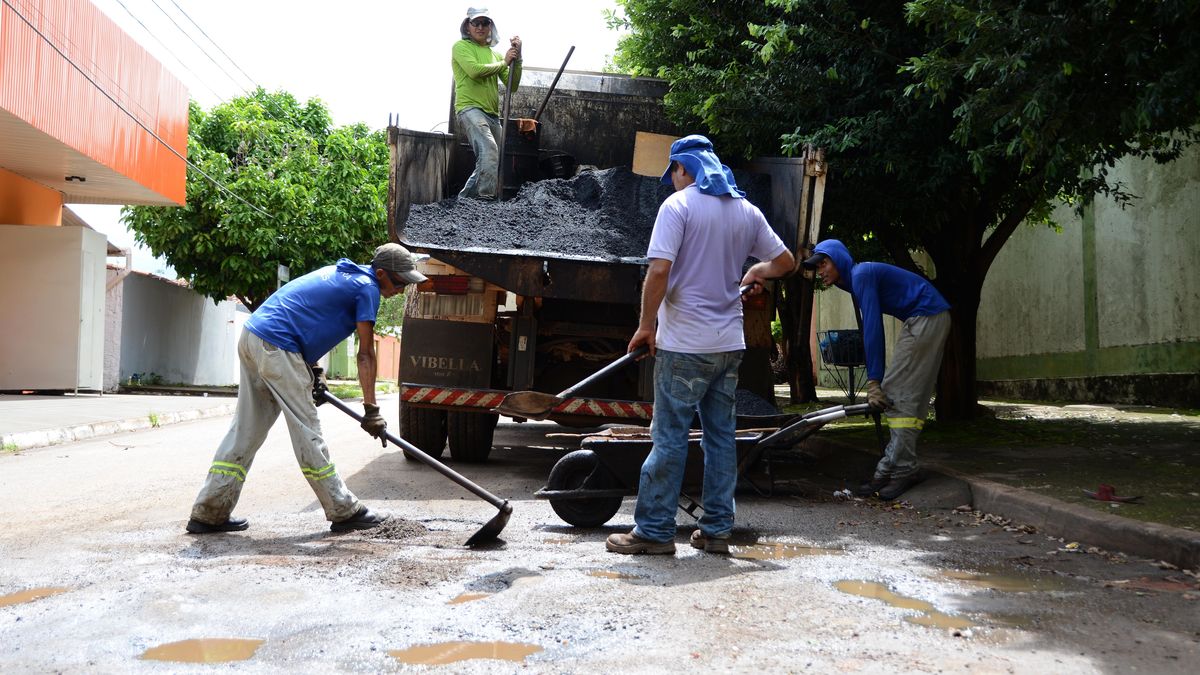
272	381
909	382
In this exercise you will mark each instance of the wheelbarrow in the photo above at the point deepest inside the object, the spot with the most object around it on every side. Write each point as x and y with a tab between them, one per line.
586	487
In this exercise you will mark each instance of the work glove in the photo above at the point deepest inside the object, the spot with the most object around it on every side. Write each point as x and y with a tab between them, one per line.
875	396
373	423
320	386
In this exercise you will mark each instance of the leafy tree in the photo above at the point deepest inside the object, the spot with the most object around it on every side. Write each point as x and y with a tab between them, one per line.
947	124
315	194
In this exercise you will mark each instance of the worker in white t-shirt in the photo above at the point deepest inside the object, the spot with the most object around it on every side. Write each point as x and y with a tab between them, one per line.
702	237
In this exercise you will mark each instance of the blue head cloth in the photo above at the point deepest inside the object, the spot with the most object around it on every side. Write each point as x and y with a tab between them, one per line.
696	154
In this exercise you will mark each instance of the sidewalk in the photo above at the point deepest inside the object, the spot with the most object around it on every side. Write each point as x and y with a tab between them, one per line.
35	421
1029	463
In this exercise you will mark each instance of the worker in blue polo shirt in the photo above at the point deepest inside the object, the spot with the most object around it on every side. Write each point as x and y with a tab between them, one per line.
902	392
281	343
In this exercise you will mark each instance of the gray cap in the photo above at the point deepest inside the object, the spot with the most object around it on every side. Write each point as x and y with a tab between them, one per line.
398	260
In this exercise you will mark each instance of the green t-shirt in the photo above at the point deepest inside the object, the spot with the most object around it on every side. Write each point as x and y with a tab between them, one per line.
476	70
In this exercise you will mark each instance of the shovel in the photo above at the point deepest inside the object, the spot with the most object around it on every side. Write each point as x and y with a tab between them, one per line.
492	528
537	405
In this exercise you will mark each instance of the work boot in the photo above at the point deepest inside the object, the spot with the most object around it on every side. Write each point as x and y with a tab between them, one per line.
231	525
710	544
631	543
898	485
363	519
872	486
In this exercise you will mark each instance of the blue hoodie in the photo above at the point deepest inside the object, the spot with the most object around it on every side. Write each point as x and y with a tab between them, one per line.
880	289
313	313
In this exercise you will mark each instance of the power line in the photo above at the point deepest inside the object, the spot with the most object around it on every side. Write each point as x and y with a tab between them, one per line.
214	43
164	46
202	50
214	181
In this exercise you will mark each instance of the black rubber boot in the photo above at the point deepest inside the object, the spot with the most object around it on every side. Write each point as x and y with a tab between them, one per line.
871	487
365	519
898	486
232	525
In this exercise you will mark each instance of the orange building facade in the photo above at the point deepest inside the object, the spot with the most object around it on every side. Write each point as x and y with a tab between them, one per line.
84	112
86	116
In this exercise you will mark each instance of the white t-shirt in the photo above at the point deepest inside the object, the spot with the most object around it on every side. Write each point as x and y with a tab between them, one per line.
707	239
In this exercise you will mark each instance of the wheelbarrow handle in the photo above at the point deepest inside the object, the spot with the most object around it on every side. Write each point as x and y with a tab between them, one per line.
413	451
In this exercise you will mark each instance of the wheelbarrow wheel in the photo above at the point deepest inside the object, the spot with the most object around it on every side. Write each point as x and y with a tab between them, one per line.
582	470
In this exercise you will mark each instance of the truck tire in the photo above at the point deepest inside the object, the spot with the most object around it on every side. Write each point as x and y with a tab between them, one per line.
582	469
424	428
471	435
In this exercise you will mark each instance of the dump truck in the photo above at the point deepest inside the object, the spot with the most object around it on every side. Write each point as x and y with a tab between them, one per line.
496	319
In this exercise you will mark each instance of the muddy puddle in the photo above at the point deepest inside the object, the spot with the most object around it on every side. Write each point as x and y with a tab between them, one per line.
1004	581
481	588
452	652
774	550
612	574
30	595
204	650
468	597
928	615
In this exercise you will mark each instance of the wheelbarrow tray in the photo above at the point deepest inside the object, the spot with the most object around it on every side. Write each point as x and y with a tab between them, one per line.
586	486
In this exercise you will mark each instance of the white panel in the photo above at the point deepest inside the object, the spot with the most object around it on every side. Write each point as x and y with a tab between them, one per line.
39	307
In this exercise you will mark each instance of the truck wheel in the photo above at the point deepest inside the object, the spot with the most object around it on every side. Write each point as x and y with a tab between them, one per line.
424	428
471	435
582	469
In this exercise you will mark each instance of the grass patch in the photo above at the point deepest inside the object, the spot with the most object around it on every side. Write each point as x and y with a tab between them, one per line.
154	421
351	390
11	447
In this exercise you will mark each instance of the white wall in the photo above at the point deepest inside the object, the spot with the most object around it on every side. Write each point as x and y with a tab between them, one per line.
177	334
51	308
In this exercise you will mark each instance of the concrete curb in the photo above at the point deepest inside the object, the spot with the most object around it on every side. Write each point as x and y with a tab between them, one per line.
1055	518
27	440
1175	545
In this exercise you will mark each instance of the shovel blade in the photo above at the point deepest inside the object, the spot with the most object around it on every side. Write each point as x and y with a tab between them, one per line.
533	405
491	529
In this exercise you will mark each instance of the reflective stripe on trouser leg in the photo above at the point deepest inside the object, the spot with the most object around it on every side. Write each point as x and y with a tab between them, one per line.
909	383
256	412
290	383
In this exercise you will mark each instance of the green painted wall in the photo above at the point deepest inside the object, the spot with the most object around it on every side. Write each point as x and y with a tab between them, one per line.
1116	292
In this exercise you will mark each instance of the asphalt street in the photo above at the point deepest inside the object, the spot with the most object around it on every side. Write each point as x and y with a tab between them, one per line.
99	576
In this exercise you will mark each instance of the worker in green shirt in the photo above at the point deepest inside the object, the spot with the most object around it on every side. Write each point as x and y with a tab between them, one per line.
477	69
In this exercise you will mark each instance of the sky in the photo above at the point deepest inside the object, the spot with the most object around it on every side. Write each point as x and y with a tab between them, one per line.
365	59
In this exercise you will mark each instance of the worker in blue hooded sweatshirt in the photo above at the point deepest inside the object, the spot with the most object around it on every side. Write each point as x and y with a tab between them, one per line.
903	389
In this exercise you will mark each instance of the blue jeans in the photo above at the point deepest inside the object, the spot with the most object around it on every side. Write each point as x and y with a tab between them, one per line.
685	384
482	131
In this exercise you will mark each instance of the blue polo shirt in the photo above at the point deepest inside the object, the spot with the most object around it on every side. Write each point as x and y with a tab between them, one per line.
312	314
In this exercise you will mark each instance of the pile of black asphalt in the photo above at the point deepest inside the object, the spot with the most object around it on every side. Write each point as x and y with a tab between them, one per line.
606	214
603	214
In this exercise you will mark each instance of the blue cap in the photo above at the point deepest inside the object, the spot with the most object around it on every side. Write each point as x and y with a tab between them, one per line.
696	154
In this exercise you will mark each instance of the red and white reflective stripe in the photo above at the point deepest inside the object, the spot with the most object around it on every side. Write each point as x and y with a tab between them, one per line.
461	398
605	408
488	399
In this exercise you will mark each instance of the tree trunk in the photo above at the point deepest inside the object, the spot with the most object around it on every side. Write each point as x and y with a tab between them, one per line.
795	315
957	398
